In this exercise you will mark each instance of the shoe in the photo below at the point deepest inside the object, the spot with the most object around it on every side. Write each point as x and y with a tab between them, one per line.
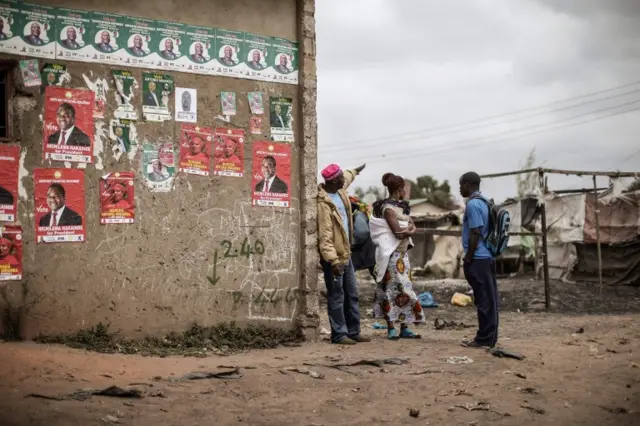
361	339
392	334
471	343
345	341
405	333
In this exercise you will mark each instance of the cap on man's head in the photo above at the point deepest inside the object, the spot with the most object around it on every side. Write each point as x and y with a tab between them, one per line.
331	172
470	177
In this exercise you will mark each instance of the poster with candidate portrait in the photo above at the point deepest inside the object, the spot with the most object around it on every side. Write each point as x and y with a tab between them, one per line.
105	39
229	152
72	35
186	107
37	30
195	149
158	166
30	71
9	163
126	85
281	119
123	135
156	93
169	53
258	53
283	63
200	49
55	75
117	202
229	52
10	40
271	174
10	253
68	124
60	206
139	42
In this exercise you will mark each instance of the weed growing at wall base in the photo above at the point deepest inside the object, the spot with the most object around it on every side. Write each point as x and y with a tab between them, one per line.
197	341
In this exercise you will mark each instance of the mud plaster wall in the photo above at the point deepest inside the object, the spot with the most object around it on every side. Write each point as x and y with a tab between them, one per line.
151	277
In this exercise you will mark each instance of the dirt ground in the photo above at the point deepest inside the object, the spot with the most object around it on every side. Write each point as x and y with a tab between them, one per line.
578	370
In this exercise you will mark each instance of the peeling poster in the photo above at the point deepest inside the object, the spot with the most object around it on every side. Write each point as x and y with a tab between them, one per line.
156	91
10	253
55	74
9	163
125	86
281	119
30	73
255	103
228	101
158	166
186	105
255	125
122	137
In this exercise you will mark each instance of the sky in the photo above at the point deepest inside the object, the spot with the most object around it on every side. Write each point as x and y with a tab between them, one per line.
417	87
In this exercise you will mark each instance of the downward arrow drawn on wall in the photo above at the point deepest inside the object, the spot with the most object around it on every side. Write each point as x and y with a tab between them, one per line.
214	278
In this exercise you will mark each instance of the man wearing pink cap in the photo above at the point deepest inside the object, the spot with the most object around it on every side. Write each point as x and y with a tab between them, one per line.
335	236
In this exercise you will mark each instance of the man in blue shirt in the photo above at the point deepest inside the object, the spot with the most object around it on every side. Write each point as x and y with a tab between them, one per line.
479	264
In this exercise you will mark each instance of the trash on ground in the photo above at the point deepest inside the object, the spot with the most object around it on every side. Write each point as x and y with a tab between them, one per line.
200	375
616	410
534	409
414	412
517	374
459	360
580	330
305	371
427	301
475	406
504	353
530	390
84	394
441	324
460	299
324	331
379	326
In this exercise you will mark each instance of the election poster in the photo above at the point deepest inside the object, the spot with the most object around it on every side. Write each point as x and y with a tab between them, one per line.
230	51
10	253
158	166
117	202
73	42
258	51
140	42
55	75
156	91
106	39
186	107
68	124
195	149
126	85
228	103
30	73
37	30
9	161
10	34
255	103
121	133
255	125
271	174
59	204
284	61
200	49
281	119
169	52
229	152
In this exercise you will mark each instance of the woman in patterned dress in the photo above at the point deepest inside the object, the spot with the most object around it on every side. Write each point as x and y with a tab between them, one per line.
395	299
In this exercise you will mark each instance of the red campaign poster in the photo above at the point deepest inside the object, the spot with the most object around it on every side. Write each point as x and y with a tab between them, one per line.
9	163
10	253
68	124
229	153
271	177
59	201
117	202
195	149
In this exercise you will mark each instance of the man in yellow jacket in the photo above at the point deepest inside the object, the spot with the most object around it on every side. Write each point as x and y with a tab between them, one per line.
335	236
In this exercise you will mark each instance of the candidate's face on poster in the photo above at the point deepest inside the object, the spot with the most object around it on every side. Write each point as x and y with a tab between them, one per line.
283	60
119	132
35	30
51	78
229	148
55	200
256	56
118	193
277	109
196	145
157	166
65	118
106	38
228	52
168	45
137	42
31	66
5	247
199	49
268	169
152	86
71	34
186	101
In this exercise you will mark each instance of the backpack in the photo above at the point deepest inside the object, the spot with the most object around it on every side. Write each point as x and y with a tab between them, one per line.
499	223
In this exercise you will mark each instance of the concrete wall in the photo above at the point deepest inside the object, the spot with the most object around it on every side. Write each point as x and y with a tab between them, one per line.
151	277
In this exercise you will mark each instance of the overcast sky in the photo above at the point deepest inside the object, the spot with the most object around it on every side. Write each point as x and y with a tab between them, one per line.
406	86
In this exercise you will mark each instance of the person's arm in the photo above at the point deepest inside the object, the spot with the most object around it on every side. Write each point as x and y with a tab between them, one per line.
325	238
411	230
350	176
476	222
392	220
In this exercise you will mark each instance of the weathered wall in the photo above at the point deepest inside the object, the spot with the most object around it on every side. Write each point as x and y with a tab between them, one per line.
151	277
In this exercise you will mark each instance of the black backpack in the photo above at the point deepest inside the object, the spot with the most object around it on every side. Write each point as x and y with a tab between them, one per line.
499	223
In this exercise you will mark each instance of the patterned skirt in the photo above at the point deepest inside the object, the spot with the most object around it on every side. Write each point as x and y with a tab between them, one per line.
395	299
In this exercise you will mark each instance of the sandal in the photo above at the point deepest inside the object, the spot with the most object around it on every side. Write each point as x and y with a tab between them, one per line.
405	333
392	334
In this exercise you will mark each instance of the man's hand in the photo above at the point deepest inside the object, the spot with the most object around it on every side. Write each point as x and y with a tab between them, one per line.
467	259
337	269
361	168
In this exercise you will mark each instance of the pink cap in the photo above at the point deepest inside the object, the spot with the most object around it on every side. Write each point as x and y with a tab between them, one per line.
331	172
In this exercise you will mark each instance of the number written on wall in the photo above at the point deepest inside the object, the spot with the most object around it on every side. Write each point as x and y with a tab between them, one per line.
246	249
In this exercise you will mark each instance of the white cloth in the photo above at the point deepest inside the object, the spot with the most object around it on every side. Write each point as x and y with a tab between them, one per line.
386	243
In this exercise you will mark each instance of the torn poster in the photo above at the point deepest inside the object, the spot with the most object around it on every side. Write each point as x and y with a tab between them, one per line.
30	73
60	205
186	105
281	119
156	90
117	200
125	84
9	165
229	152
255	103
120	133
271	174
158	166
10	253
68	124
228	101
55	74
195	149
255	125
100	88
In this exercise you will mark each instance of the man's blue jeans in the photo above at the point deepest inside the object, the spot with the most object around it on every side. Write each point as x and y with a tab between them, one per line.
342	302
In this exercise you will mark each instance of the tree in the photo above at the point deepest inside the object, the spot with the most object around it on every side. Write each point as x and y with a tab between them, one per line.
436	193
359	192
527	183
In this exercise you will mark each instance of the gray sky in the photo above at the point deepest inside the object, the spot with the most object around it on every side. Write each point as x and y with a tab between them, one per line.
391	71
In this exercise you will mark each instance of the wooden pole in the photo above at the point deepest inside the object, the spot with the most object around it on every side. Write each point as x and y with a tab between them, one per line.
545	253
596	211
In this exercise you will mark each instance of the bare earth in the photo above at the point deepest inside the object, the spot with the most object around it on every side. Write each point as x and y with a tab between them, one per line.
567	378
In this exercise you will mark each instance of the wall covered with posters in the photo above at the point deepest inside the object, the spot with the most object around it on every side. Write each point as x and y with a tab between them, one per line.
148	196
